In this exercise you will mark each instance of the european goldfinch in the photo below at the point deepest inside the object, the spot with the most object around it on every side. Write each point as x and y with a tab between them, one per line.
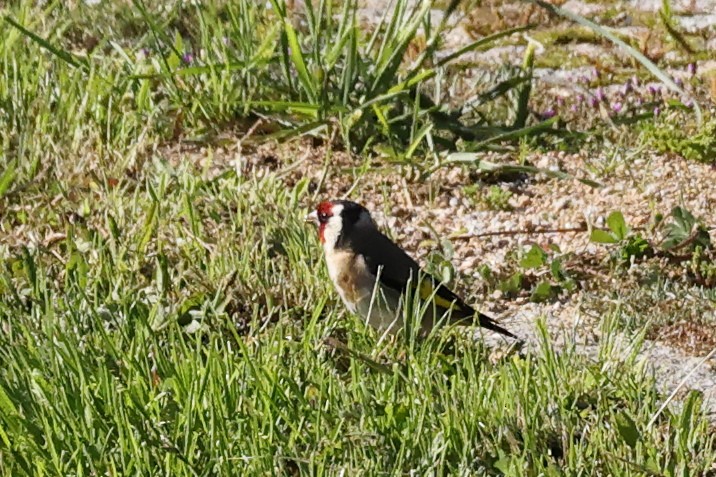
372	274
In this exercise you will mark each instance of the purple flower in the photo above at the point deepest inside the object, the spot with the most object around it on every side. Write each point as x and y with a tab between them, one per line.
635	80
583	79
595	73
691	68
617	107
574	108
550	113
627	88
657	111
580	98
600	94
689	104
593	102
560	101
679	82
188	58
654	90
145	52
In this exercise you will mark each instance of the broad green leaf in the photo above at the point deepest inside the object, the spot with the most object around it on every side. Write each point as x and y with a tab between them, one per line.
556	269
681	228
512	284
503	465
602	236
542	292
637	247
534	258
627	429
617	225
683	218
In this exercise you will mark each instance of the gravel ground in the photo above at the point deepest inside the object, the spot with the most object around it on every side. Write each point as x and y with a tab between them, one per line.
639	187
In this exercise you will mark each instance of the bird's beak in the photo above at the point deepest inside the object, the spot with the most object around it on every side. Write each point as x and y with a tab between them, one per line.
312	218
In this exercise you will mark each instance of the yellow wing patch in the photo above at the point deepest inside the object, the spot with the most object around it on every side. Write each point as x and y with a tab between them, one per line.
427	291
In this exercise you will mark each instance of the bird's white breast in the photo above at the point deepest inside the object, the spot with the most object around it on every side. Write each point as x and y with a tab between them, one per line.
356	285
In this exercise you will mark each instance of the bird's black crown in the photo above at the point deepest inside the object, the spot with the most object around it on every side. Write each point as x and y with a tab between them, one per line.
351	212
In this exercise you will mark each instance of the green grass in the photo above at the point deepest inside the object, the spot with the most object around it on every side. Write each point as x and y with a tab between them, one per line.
188	340
100	377
164	314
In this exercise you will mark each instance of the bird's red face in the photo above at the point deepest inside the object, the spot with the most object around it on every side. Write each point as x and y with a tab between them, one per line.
321	217
337	220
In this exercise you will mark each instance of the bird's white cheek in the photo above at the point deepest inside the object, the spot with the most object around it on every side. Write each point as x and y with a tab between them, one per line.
331	232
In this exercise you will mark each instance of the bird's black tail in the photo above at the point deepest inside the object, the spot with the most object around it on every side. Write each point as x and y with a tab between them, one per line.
490	324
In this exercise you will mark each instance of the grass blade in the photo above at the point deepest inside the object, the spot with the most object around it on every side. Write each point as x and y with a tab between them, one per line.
486	40
7	177
487	166
298	61
65	56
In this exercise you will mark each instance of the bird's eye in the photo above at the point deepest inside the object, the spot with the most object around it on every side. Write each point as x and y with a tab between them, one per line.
323	217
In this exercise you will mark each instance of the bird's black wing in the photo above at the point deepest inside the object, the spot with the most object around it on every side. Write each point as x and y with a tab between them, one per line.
396	269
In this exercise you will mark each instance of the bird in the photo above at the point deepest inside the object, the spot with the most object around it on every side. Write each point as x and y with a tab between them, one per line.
374	276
